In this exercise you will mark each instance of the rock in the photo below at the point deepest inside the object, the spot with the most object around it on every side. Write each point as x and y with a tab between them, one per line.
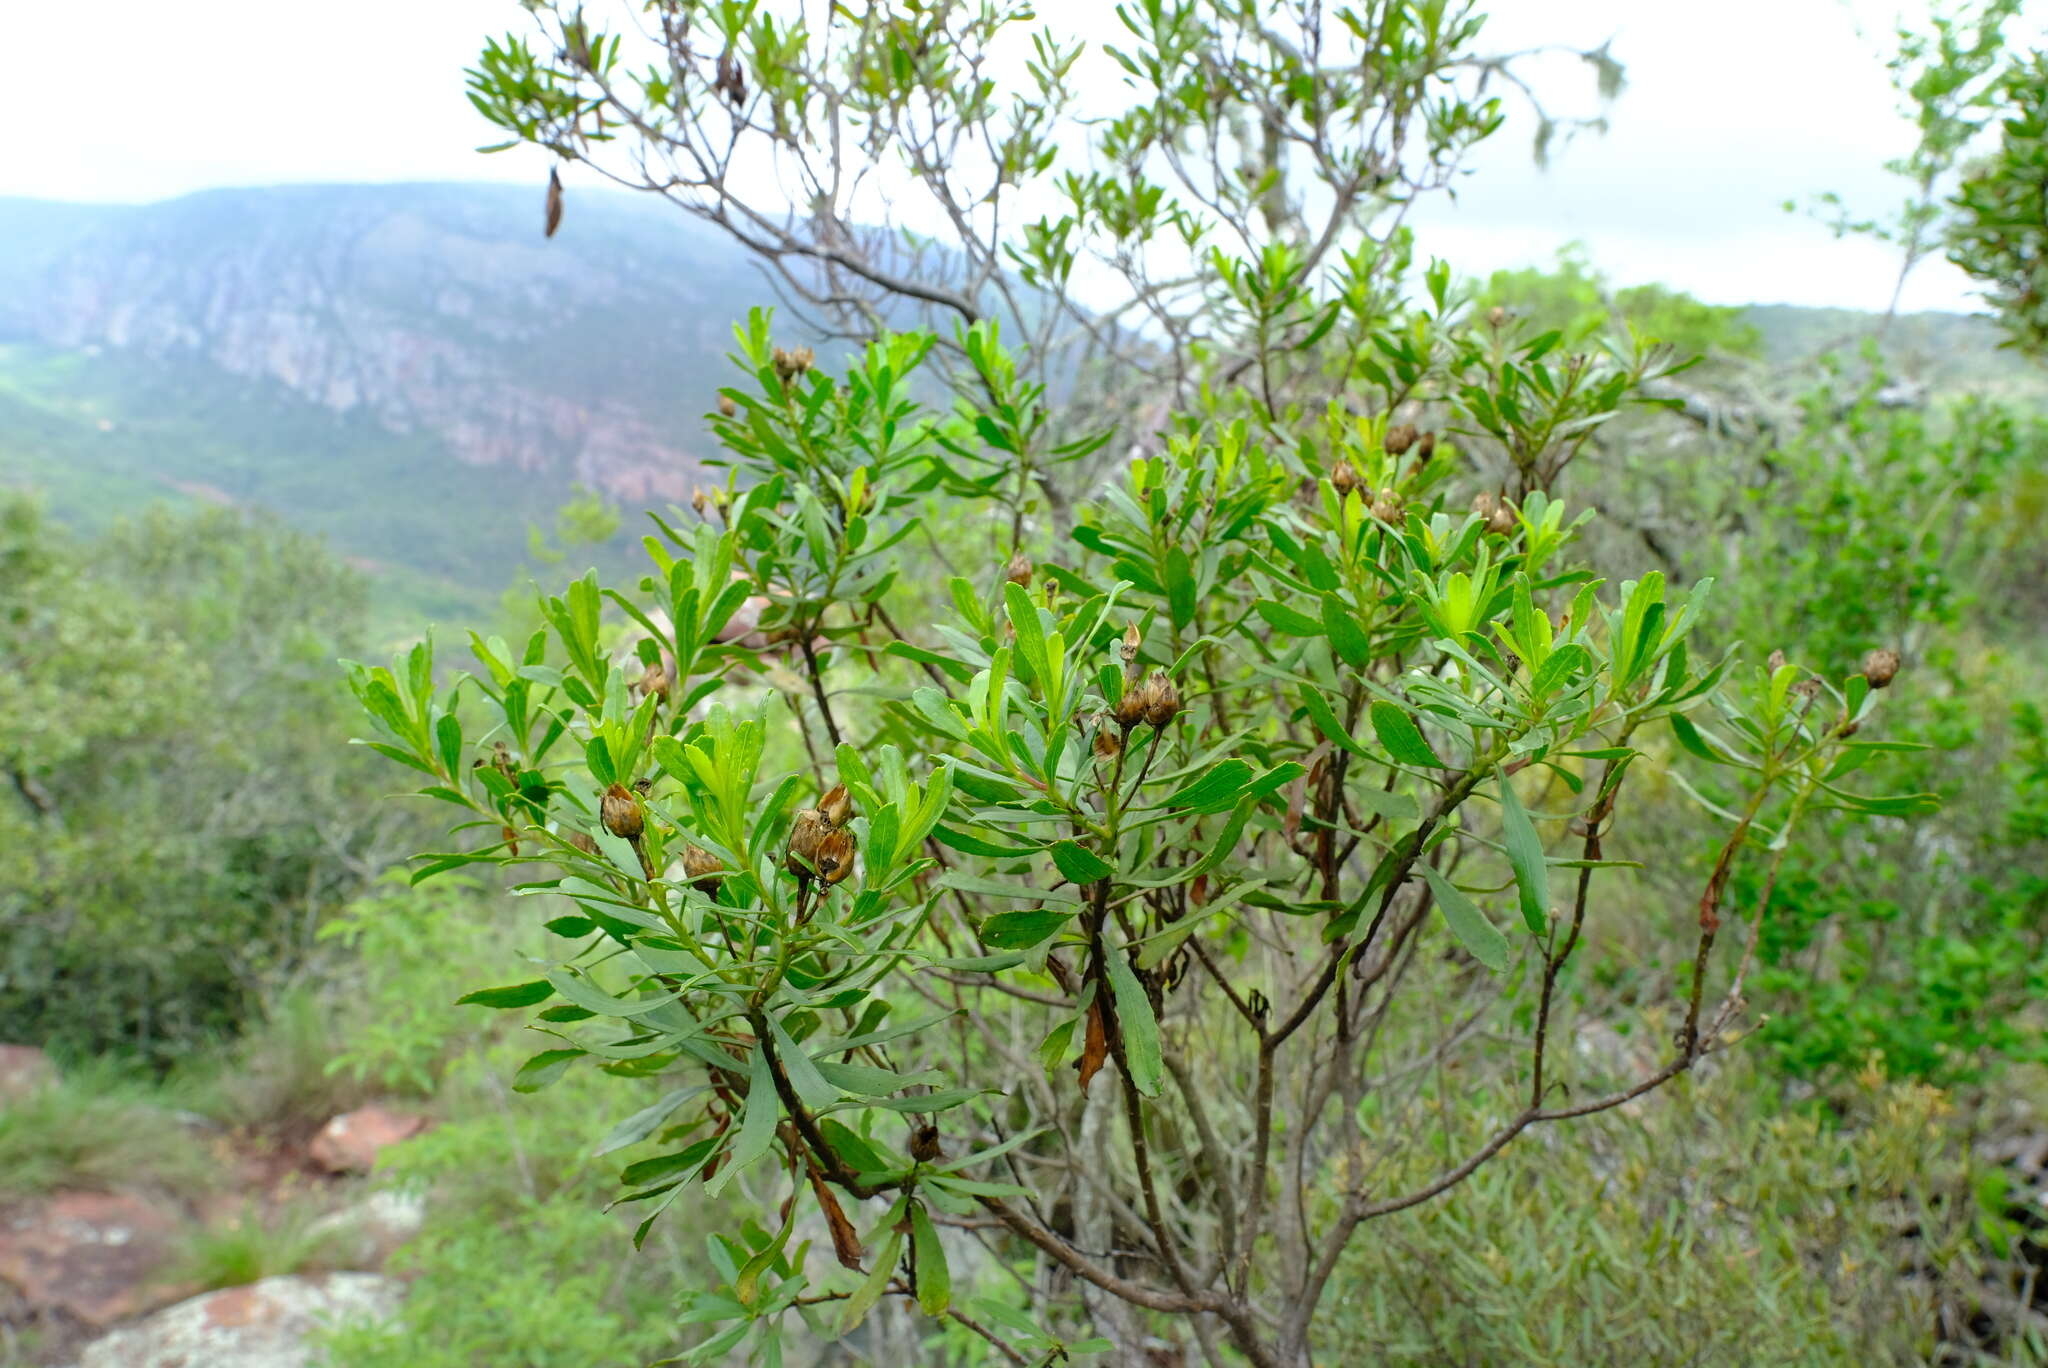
263	1325
23	1070
364	1234
351	1142
89	1254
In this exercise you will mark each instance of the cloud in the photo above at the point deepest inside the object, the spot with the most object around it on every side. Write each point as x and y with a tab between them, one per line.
1729	111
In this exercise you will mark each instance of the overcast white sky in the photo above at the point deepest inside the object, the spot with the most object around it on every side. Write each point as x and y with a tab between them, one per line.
1731	109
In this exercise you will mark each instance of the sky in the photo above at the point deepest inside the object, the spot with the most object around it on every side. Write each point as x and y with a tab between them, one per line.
1724	118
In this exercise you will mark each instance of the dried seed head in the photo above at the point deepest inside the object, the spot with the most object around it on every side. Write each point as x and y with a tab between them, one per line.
836	806
702	869
1775	662
1482	503
726	407
1387	509
1162	700
1343	478
699	500
1425	446
924	1144
835	856
1019	570
804	358
622	813
1130	709
1808	689
1400	438
1108	745
1496	317
654	681
1502	520
1132	641
1881	666
806	834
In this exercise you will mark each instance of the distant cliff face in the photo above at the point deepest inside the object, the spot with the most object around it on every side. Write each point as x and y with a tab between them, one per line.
437	310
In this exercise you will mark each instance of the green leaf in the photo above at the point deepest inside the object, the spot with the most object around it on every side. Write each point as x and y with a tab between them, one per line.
1399	734
1030	634
1214	790
1139	1028
1325	718
1346	638
1467	922
1287	621
934	1280
543	1069
864	1298
1080	864
1689	737
1525	855
803	1075
757	1126
1022	930
512	995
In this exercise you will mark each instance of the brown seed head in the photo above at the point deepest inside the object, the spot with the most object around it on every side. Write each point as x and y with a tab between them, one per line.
1425	446
726	407
1482	503
1162	700
924	1144
622	813
1343	478
1775	662
702	869
1496	317
1387	509
699	500
835	856
1881	666
806	834
836	806
1400	438
1502	520
1019	570
1130	709
1808	688
1108	745
654	681
1132	641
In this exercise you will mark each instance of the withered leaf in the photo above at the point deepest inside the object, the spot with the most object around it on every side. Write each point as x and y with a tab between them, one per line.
554	201
845	1241
1095	1046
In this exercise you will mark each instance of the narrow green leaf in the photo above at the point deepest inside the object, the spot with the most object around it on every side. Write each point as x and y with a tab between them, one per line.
1135	1020
1022	930
1080	864
1346	637
934	1280
1399	734
1467	922
757	1126
512	995
1525	855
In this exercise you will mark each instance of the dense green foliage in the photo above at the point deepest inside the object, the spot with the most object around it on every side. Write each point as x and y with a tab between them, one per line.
156	867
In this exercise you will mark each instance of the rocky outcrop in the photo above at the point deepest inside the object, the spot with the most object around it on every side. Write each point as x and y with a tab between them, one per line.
268	1324
89	1255
434	310
351	1142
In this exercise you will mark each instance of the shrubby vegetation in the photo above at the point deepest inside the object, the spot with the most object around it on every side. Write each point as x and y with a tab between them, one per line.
1097	809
